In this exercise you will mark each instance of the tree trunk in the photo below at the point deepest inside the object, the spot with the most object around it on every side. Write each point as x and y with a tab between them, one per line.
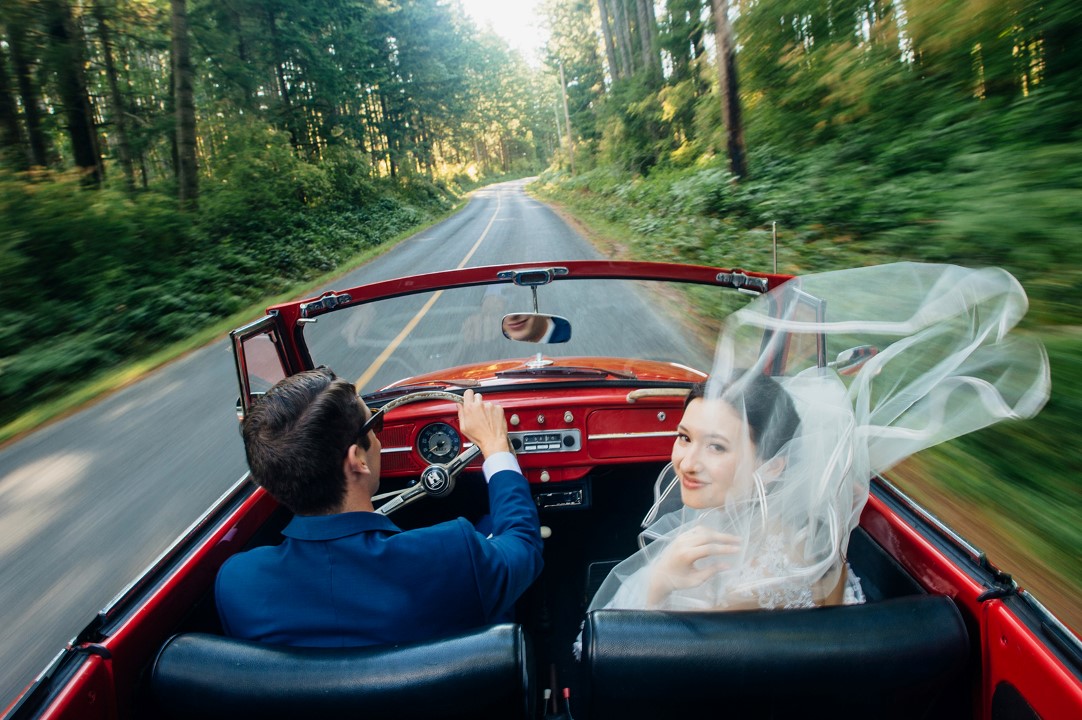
623	38
389	134
187	177
567	121
647	30
40	149
123	145
728	89
171	112
610	49
280	78
69	64
12	145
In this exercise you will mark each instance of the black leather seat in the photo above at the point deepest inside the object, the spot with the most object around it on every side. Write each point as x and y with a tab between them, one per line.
903	657
484	673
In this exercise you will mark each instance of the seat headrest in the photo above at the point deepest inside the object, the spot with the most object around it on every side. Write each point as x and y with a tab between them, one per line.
483	673
873	658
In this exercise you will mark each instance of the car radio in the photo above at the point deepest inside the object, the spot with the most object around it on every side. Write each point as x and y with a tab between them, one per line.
538	441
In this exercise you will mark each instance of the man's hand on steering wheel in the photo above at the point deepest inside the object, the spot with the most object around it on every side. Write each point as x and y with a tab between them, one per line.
484	423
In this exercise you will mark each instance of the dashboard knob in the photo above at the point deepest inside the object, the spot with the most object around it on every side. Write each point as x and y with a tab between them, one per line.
568	417
661	416
545	477
540	419
514	420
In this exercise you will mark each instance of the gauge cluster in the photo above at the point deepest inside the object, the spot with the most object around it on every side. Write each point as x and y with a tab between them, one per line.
439	443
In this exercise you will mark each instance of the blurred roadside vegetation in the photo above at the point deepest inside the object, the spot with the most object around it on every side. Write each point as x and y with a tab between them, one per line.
90	279
925	130
165	165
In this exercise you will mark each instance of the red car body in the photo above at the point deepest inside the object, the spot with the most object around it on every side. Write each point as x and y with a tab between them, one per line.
1019	661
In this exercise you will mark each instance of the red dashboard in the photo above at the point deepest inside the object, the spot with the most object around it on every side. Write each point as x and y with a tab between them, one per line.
556	438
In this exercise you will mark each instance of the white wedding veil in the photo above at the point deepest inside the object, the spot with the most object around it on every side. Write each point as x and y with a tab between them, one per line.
817	386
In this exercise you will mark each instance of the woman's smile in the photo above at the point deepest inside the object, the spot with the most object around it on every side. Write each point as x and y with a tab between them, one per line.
690	483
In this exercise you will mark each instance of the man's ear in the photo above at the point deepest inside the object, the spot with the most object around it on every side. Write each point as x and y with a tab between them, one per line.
356	461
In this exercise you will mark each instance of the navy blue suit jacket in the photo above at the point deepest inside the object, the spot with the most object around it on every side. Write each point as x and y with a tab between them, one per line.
355	579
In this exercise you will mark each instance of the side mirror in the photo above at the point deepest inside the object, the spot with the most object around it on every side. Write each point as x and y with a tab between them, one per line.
850	361
536	328
253	398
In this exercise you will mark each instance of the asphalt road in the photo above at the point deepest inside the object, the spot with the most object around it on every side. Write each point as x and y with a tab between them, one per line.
88	502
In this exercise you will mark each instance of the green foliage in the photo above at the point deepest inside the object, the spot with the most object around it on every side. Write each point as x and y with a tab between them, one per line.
969	188
89	278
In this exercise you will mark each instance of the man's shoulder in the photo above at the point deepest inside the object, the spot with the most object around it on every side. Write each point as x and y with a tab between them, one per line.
239	568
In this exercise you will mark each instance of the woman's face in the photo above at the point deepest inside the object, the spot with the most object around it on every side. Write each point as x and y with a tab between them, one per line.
711	453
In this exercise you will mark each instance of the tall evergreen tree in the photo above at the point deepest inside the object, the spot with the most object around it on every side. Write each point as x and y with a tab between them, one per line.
186	167
68	55
729	89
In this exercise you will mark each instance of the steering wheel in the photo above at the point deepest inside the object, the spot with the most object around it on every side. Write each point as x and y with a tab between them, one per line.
438	479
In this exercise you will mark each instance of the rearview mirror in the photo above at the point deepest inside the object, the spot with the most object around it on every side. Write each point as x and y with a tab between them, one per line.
536	328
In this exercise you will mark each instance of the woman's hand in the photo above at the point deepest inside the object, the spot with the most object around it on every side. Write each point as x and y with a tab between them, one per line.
692	558
483	423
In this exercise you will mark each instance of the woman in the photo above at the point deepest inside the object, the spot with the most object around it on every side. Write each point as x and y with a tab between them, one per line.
773	472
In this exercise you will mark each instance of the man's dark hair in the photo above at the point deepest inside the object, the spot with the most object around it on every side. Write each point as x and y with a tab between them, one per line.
297	435
772	418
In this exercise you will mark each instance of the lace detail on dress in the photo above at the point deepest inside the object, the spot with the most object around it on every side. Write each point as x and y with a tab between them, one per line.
854	592
763	577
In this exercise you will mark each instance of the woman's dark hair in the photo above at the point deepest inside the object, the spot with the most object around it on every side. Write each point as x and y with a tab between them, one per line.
771	416
297	435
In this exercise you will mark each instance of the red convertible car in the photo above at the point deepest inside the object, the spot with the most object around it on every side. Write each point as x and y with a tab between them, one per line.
592	416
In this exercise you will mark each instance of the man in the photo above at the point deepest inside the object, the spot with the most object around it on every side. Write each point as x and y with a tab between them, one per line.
345	576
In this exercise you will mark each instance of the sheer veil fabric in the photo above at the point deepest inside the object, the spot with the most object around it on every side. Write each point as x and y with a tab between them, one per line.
867	366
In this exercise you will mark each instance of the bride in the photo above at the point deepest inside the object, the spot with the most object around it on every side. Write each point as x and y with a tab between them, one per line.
773	456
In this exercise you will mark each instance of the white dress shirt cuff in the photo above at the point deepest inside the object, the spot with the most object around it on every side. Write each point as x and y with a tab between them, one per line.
498	462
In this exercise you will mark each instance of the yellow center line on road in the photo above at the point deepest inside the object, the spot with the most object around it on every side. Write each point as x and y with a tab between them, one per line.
389	350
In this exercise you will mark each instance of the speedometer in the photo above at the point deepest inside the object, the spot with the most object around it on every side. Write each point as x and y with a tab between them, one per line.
438	443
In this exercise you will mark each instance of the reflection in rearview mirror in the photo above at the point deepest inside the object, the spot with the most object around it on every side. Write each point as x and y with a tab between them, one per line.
536	328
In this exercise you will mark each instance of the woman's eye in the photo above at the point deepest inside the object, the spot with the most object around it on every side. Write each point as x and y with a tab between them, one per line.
682	437
714	447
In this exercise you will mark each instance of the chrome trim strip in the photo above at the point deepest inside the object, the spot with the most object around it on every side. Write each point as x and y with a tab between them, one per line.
629	436
407	448
933	520
636	395
1054	621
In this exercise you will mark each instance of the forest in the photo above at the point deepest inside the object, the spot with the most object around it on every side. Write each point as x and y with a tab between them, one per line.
154	154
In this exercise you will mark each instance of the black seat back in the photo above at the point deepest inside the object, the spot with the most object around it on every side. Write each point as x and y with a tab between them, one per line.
480	674
897	658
